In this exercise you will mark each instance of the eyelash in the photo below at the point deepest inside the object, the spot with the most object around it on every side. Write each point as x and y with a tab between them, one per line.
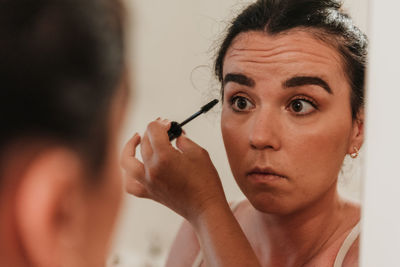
236	97
306	99
288	106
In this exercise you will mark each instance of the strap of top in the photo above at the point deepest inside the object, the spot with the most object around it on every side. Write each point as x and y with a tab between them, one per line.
344	249
199	258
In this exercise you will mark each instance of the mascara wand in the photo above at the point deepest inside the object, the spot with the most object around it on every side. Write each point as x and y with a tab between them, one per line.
176	128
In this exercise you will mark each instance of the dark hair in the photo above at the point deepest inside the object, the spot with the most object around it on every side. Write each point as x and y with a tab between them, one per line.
323	18
60	63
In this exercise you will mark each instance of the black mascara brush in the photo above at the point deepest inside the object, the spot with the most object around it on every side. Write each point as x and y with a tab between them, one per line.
176	128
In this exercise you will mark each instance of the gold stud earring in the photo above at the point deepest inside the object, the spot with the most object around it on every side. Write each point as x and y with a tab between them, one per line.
355	153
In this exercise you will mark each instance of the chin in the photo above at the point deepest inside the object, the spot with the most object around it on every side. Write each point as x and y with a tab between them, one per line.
268	203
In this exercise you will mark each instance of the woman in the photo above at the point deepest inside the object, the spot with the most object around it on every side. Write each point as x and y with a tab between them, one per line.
292	76
62	102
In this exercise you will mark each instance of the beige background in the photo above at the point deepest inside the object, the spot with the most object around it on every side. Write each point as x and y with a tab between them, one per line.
380	242
172	44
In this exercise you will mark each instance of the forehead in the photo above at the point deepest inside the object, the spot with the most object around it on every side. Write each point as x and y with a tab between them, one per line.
294	52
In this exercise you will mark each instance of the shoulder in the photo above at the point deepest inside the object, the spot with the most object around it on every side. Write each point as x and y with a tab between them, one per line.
185	248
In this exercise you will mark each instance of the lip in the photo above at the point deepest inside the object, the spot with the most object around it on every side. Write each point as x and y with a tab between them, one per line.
264	174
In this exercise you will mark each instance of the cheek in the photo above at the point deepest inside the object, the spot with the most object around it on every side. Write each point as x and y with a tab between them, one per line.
316	152
228	128
234	138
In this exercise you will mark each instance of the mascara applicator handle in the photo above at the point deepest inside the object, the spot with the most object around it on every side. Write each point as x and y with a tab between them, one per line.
174	131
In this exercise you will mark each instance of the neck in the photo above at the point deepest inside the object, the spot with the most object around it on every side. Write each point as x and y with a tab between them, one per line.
304	234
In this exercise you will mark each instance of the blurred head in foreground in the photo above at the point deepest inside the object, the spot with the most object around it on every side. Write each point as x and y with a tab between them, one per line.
62	94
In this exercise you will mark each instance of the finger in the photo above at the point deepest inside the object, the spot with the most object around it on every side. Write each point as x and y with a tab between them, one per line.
187	146
155	138
135	188
129	150
158	135
134	169
165	121
145	148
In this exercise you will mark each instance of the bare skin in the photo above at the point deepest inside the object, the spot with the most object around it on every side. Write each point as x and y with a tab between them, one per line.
287	126
186	246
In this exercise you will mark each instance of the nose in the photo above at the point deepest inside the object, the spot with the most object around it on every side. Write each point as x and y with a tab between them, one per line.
265	131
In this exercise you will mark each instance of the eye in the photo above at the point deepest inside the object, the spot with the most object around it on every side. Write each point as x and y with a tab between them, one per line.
240	104
302	106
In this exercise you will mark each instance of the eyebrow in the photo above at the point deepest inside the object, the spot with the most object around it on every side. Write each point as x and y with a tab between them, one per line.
307	80
238	78
296	81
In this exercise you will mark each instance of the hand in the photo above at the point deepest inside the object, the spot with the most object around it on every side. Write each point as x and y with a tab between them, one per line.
183	179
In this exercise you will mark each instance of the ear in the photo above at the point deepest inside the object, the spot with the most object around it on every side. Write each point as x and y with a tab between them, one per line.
49	208
357	134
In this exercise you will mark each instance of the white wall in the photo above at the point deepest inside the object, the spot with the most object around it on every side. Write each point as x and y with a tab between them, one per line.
172	46
381	231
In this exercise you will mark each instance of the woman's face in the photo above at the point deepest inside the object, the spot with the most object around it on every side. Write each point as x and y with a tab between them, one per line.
286	119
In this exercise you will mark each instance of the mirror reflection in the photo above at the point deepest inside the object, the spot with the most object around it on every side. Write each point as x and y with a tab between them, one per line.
288	131
268	176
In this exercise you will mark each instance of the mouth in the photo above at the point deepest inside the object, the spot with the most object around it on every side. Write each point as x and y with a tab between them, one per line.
264	174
